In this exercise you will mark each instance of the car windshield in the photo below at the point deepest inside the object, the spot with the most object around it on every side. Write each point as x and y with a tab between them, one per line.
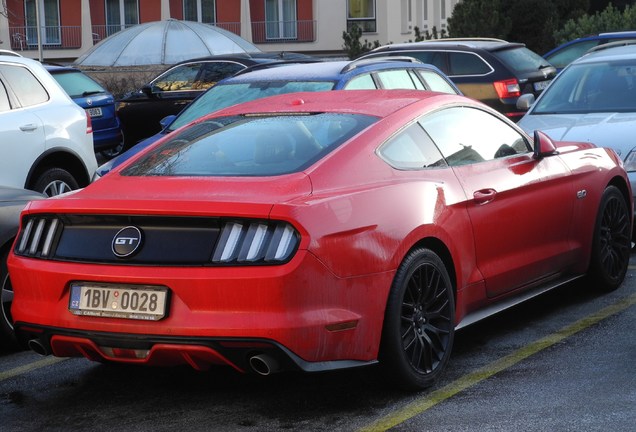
224	95
591	87
255	145
522	59
76	84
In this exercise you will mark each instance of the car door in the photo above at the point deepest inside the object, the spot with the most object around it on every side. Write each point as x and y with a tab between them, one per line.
520	207
22	137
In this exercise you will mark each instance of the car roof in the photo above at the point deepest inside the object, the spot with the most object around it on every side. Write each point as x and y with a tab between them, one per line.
610	53
379	103
487	44
596	36
247	58
52	68
324	71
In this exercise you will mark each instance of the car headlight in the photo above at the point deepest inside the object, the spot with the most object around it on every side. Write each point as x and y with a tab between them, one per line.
630	161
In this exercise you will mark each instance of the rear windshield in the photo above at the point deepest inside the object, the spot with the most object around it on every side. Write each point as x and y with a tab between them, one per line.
224	95
76	84
521	59
249	145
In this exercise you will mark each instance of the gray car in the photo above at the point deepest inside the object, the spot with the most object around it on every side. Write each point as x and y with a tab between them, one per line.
594	100
12	201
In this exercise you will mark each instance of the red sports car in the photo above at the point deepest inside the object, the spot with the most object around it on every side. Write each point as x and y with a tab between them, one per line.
317	231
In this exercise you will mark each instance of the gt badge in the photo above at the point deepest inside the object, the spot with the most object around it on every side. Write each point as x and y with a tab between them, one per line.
126	241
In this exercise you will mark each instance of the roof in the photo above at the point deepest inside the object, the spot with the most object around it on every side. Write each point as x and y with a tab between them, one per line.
471	43
324	71
610	53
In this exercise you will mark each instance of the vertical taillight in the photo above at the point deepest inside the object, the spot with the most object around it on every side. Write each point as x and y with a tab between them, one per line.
507	88
89	124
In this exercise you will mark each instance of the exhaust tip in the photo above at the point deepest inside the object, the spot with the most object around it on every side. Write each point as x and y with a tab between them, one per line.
37	347
263	364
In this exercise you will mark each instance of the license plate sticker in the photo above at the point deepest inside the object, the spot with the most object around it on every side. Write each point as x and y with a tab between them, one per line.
94	112
118	301
541	85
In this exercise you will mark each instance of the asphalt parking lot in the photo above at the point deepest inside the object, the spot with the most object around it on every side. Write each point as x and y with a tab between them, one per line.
561	362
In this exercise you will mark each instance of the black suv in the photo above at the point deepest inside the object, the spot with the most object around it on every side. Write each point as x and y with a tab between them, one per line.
492	70
140	111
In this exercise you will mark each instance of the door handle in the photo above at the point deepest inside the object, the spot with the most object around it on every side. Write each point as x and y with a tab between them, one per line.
484	196
28	127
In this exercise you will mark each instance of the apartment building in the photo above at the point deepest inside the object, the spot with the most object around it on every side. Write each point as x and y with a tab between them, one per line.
65	29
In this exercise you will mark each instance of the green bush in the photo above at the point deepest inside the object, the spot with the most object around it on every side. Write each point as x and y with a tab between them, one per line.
352	45
610	19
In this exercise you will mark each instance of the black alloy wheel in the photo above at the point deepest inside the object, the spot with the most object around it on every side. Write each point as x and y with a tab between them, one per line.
612	241
419	322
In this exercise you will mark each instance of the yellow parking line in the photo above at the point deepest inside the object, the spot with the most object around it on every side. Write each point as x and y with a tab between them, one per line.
30	367
431	399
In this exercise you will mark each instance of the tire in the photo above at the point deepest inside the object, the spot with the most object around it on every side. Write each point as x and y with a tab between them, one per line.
7	335
611	244
113	152
419	324
55	181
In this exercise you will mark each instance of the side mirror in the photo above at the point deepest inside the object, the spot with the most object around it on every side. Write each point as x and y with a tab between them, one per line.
543	145
150	91
165	122
525	101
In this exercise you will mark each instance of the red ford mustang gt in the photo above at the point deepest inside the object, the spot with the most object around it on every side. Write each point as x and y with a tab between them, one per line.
318	231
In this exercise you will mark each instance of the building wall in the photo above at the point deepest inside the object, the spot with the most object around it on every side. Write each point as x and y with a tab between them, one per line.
327	20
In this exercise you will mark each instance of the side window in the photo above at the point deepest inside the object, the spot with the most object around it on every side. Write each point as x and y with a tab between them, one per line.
362	82
469	135
436	58
214	72
435	82
411	149
462	63
396	79
25	86
179	78
4	99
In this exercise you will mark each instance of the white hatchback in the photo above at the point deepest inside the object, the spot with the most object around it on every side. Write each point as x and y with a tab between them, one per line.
46	140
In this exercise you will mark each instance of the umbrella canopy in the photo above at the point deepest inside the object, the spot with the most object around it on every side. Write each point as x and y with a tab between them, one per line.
164	43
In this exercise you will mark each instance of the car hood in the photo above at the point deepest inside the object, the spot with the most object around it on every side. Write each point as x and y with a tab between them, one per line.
613	130
9	194
240	196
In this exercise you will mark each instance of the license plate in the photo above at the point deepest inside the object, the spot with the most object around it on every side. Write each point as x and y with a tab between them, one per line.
118	301
541	85
94	112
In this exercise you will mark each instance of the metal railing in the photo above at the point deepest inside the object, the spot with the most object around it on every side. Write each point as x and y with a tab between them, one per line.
25	38
283	31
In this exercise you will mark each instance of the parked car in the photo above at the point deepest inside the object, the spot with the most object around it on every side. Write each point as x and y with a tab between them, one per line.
493	71
12	201
385	73
168	93
316	231
566	53
96	100
592	100
46	140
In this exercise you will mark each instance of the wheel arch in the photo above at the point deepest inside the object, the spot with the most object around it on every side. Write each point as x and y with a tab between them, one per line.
440	248
56	158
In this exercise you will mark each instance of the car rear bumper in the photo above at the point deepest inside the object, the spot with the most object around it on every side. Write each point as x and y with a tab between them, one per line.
105	139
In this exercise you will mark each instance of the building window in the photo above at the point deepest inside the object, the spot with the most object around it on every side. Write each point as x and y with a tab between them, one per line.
443	9
407	16
49	11
362	14
280	17
121	14
200	10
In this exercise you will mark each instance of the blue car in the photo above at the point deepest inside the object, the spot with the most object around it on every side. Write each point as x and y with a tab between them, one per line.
96	100
251	84
566	53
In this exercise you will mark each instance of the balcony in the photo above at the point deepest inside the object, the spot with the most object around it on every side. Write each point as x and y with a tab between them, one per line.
25	38
283	31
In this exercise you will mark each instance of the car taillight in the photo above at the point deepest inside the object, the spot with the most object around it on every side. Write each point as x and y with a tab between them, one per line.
89	125
255	242
507	88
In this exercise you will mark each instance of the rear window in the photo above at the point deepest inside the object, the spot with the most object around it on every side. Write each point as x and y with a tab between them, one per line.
521	59
249	145
224	95
76	84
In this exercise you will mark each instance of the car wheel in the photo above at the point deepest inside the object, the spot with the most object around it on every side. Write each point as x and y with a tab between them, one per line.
419	324
113	152
612	241
6	295
55	181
